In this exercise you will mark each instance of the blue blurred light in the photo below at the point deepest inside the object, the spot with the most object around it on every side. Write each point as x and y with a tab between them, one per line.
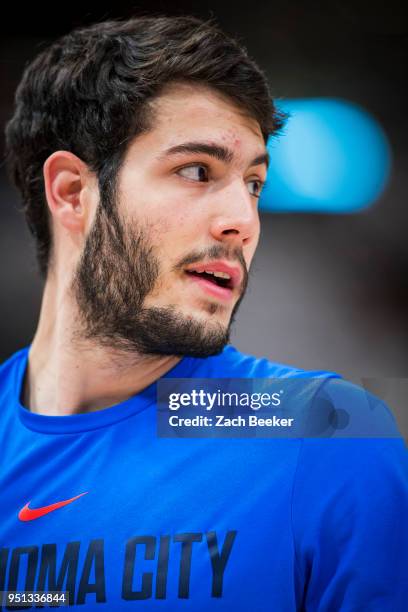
332	156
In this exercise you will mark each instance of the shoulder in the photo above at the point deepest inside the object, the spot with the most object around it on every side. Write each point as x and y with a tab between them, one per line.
10	367
355	454
353	411
232	362
329	405
12	361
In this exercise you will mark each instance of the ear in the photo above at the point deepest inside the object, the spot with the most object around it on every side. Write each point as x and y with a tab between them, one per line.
68	181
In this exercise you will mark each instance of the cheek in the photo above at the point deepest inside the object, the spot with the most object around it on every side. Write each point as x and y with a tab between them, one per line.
177	229
171	238
160	230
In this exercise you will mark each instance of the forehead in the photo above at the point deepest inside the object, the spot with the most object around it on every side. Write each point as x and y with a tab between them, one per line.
196	112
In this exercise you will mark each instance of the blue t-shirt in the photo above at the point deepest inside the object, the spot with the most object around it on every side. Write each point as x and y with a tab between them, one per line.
99	506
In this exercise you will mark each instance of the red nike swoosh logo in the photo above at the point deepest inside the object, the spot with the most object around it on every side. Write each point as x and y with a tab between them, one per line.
29	514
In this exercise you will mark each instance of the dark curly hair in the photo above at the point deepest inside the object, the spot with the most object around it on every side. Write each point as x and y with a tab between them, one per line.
89	92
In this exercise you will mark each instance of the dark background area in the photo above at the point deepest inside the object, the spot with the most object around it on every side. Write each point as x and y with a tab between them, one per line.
327	291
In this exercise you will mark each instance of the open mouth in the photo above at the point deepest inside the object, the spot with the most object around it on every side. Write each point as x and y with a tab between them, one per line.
220	279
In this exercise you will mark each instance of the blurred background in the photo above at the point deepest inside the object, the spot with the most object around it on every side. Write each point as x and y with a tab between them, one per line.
329	287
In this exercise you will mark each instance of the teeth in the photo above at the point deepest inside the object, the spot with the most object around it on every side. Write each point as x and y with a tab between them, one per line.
218	274
222	274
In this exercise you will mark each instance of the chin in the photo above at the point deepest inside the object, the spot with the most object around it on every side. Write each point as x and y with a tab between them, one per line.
218	312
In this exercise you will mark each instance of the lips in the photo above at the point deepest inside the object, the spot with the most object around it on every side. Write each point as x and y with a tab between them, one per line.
219	273
217	279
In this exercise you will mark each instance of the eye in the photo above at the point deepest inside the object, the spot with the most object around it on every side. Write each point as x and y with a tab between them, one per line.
195	172
258	184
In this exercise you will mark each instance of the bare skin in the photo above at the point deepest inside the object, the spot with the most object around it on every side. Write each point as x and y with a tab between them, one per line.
68	375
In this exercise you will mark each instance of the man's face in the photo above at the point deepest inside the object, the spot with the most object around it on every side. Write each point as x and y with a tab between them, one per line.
187	202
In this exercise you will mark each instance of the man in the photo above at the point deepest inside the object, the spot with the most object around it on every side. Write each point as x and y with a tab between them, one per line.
139	150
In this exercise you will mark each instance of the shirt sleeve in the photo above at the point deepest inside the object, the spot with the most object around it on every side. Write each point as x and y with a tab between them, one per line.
350	515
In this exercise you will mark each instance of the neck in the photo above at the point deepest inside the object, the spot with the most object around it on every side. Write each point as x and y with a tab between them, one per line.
68	375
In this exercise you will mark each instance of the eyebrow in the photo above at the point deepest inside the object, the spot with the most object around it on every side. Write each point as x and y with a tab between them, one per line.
219	152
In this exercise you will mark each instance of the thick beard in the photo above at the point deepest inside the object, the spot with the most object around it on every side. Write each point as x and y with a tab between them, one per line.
117	270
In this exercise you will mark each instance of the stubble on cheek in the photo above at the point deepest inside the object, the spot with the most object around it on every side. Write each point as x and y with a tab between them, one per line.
169	241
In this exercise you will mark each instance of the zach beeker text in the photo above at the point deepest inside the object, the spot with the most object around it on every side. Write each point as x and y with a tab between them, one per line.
37	569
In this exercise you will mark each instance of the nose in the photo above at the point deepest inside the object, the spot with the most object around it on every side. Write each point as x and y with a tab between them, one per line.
236	219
